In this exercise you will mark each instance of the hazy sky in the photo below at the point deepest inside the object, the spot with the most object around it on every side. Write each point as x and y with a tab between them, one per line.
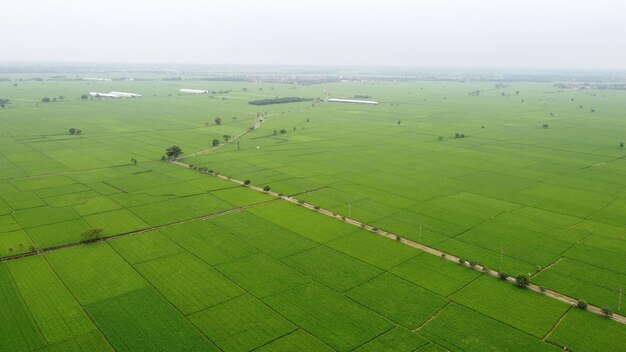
435	33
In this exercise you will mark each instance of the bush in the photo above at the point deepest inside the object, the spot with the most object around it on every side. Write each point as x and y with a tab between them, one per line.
246	182
461	261
582	304
503	276
316	207
542	289
607	312
398	238
522	281
443	255
266	188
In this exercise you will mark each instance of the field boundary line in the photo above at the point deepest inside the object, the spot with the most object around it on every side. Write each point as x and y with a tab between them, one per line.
375	230
137	232
556	325
432	317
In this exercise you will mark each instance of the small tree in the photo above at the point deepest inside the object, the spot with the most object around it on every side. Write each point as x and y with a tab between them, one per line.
440	138
621	145
246	182
582	304
79	131
226	138
266	188
173	152
218	120
503	276
72	130
90	235
84	97
216	142
522	281
607	312
545	125
283	131
45	100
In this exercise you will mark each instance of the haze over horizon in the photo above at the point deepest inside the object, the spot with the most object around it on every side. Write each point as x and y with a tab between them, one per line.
440	34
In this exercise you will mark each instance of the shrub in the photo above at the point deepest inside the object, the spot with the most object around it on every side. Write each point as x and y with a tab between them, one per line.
301	202
280	194
316	207
582	304
266	188
607	312
461	261
503	276
246	182
398	238
472	264
542	289
522	281
443	255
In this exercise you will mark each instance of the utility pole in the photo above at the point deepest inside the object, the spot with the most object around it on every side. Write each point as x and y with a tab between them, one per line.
619	302
501	257
349	210
419	238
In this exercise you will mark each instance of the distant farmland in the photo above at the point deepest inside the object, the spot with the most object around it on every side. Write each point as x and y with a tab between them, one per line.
525	180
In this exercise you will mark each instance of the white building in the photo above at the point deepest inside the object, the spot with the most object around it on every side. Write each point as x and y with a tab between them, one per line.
125	95
352	101
102	95
192	91
95	79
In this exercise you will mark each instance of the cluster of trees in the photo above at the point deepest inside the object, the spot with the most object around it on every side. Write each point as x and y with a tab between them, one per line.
459	135
47	99
283	131
278	100
4	102
74	131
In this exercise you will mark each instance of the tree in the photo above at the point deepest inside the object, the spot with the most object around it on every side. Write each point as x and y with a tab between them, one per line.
246	182
522	281
173	152
218	120
90	234
72	130
283	131
582	304
234	118
84	97
45	100
621	145
440	138
226	138
79	131
607	312
545	125
399	122
216	142
266	188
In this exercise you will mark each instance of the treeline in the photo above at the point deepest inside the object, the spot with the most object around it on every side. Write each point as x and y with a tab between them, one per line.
278	101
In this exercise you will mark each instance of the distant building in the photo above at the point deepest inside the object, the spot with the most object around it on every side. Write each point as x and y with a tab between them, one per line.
102	95
352	101
125	95
192	91
95	79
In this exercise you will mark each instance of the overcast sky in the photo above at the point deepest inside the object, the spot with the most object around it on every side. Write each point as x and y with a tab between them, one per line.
435	33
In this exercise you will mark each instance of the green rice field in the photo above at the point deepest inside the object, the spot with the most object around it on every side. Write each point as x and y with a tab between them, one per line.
187	261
